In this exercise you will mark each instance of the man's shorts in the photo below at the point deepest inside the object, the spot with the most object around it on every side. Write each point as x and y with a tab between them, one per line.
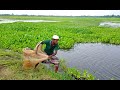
54	60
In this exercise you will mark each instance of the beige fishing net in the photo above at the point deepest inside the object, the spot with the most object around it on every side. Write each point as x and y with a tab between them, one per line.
33	57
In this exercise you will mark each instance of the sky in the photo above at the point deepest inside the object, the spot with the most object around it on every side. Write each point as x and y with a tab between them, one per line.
62	12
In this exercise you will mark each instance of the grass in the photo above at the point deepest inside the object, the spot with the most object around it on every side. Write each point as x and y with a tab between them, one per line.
9	55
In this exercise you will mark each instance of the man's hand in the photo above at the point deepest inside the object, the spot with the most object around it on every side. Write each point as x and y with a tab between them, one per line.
50	56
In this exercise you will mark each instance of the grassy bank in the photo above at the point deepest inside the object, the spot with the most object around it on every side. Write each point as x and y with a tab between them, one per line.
11	69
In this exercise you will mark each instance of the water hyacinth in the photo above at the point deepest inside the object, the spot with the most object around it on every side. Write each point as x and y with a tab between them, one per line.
72	30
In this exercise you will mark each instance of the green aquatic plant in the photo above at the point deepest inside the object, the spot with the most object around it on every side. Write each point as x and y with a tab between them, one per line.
70	29
80	75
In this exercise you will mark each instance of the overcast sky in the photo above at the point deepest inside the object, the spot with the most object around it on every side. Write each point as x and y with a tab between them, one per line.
62	12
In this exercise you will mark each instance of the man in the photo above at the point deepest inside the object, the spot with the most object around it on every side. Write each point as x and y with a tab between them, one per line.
51	50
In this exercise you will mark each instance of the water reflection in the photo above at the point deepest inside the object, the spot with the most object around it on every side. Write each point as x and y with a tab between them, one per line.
101	60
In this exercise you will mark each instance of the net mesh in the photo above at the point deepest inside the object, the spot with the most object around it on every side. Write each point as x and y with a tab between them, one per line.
32	57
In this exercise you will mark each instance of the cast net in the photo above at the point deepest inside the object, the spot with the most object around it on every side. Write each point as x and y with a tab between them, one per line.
33	57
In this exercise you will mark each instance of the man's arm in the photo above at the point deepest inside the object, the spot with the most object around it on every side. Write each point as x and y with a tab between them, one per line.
38	47
54	53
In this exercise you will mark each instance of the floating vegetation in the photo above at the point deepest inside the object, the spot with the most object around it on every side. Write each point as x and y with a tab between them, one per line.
71	30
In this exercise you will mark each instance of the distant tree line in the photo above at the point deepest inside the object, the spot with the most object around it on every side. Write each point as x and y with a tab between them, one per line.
59	16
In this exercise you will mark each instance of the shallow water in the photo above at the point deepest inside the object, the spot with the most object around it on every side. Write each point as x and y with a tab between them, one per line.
110	24
12	21
102	60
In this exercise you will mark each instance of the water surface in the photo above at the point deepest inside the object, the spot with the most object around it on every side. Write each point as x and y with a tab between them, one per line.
12	21
102	60
114	24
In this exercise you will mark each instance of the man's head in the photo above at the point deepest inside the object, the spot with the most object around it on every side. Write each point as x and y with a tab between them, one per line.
55	39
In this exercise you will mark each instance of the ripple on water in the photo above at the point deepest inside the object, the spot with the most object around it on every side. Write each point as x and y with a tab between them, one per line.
101	60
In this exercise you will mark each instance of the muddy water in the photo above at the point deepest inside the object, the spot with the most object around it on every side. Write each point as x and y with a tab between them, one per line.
102	60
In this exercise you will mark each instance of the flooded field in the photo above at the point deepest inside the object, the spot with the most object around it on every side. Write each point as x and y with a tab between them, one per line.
102	60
